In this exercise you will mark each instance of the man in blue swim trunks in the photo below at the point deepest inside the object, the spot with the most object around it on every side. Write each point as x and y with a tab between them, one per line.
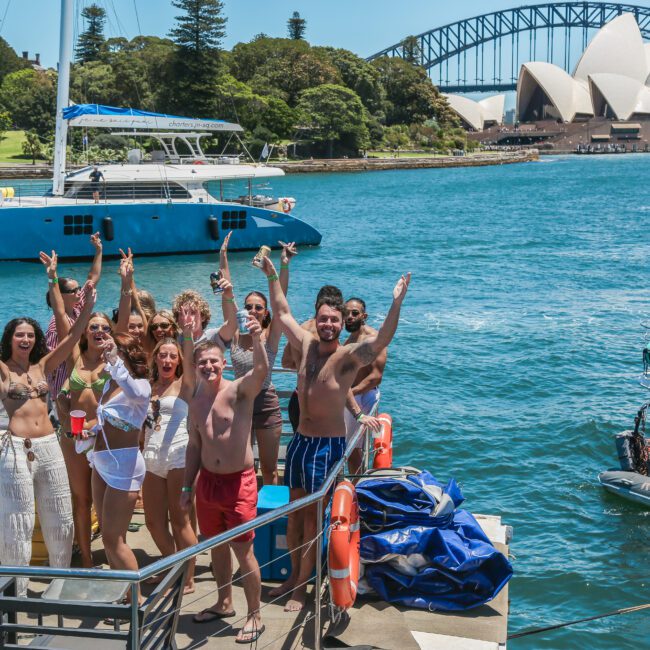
326	373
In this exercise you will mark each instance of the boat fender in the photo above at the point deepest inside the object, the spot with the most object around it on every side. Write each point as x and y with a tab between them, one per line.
383	443
343	554
7	192
109	228
213	228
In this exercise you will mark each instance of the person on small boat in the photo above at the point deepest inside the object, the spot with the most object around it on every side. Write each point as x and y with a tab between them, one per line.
221	414
267	417
118	465
32	469
365	386
165	445
81	391
73	303
325	376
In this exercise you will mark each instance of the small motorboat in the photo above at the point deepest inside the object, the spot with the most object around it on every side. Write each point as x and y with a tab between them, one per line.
631	480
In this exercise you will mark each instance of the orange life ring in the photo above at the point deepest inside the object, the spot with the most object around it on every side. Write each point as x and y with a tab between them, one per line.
383	443
285	204
343	555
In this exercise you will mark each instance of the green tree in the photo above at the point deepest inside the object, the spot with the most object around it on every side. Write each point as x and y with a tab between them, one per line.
32	146
30	98
396	137
336	116
296	27
93	83
5	123
411	50
9	60
91	40
195	65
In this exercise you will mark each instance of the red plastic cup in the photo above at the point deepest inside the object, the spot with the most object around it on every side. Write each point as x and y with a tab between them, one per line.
77	419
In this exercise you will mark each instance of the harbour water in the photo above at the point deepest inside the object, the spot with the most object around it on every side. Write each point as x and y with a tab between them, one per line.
515	359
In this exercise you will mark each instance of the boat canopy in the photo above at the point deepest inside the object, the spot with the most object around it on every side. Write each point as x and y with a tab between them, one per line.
97	115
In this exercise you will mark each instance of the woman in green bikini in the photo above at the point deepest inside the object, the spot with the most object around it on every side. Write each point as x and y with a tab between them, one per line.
81	391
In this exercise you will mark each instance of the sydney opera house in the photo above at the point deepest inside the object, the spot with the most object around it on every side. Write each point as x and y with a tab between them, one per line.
611	80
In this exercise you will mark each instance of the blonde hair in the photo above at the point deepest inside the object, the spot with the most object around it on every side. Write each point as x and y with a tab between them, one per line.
195	299
147	302
154	366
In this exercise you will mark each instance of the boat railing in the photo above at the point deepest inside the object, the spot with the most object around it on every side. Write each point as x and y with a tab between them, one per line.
135	578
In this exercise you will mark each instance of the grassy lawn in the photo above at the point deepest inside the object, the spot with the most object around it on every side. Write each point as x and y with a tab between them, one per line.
11	148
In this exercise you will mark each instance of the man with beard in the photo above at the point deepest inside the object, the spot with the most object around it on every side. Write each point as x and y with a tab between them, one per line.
326	373
365	386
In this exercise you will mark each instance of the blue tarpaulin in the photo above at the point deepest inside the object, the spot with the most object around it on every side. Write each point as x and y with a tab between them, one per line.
442	562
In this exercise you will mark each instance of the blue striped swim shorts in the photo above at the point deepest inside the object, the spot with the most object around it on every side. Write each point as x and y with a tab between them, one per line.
310	459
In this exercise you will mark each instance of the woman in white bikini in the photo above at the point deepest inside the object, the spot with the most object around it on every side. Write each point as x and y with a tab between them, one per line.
32	469
165	443
118	465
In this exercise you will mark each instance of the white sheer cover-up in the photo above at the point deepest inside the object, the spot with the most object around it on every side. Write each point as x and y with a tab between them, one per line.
122	469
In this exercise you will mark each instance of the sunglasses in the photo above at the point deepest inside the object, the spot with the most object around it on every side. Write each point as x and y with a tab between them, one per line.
160	326
352	312
30	454
75	290
96	328
254	307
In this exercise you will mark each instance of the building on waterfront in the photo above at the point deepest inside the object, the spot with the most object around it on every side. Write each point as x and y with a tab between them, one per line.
609	81
478	115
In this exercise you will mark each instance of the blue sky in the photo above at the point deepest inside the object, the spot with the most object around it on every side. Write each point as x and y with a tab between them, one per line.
363	26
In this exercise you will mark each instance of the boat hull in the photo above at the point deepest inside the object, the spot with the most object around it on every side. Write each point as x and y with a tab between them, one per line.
150	228
629	485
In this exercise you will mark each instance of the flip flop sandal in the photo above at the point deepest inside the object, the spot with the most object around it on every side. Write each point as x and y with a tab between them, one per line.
208	615
254	635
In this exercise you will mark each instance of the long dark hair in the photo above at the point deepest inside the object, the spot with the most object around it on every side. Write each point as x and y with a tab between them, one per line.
40	346
267	319
83	341
134	354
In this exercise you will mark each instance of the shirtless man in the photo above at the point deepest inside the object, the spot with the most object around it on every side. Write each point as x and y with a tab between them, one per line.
365	387
221	413
326	373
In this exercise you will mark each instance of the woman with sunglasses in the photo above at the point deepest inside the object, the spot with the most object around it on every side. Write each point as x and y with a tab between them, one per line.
118	465
267	417
81	391
165	444
32	469
73	303
162	325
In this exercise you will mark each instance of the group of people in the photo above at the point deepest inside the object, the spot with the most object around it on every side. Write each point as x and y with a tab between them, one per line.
160	420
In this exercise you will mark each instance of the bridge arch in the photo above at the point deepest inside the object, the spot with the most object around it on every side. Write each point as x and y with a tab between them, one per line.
446	48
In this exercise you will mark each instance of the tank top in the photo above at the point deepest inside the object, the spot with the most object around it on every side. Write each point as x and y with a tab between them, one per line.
242	362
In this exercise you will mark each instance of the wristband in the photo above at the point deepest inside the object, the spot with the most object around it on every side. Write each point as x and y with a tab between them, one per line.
284	266
186	488
359	416
273	277
53	280
229	300
188	338
127	292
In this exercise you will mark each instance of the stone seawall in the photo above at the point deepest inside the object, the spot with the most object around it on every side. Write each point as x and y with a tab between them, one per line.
335	164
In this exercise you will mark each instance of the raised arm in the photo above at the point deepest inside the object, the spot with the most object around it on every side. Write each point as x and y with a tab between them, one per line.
251	383
275	329
188	382
95	272
65	347
126	292
61	319
367	351
280	307
192	462
229	309
223	258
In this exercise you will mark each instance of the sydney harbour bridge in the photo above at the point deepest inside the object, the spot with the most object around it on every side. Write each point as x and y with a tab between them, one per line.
484	53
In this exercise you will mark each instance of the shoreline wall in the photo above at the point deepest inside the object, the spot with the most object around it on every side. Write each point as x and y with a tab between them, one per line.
336	164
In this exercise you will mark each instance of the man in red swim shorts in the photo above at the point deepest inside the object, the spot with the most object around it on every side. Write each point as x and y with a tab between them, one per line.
220	418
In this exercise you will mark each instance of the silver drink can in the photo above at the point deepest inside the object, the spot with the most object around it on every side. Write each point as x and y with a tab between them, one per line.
214	281
242	318
264	251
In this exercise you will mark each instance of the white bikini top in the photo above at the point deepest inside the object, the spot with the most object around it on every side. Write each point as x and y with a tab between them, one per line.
130	406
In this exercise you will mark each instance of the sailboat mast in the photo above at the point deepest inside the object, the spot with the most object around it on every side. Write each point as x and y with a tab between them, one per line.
62	97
